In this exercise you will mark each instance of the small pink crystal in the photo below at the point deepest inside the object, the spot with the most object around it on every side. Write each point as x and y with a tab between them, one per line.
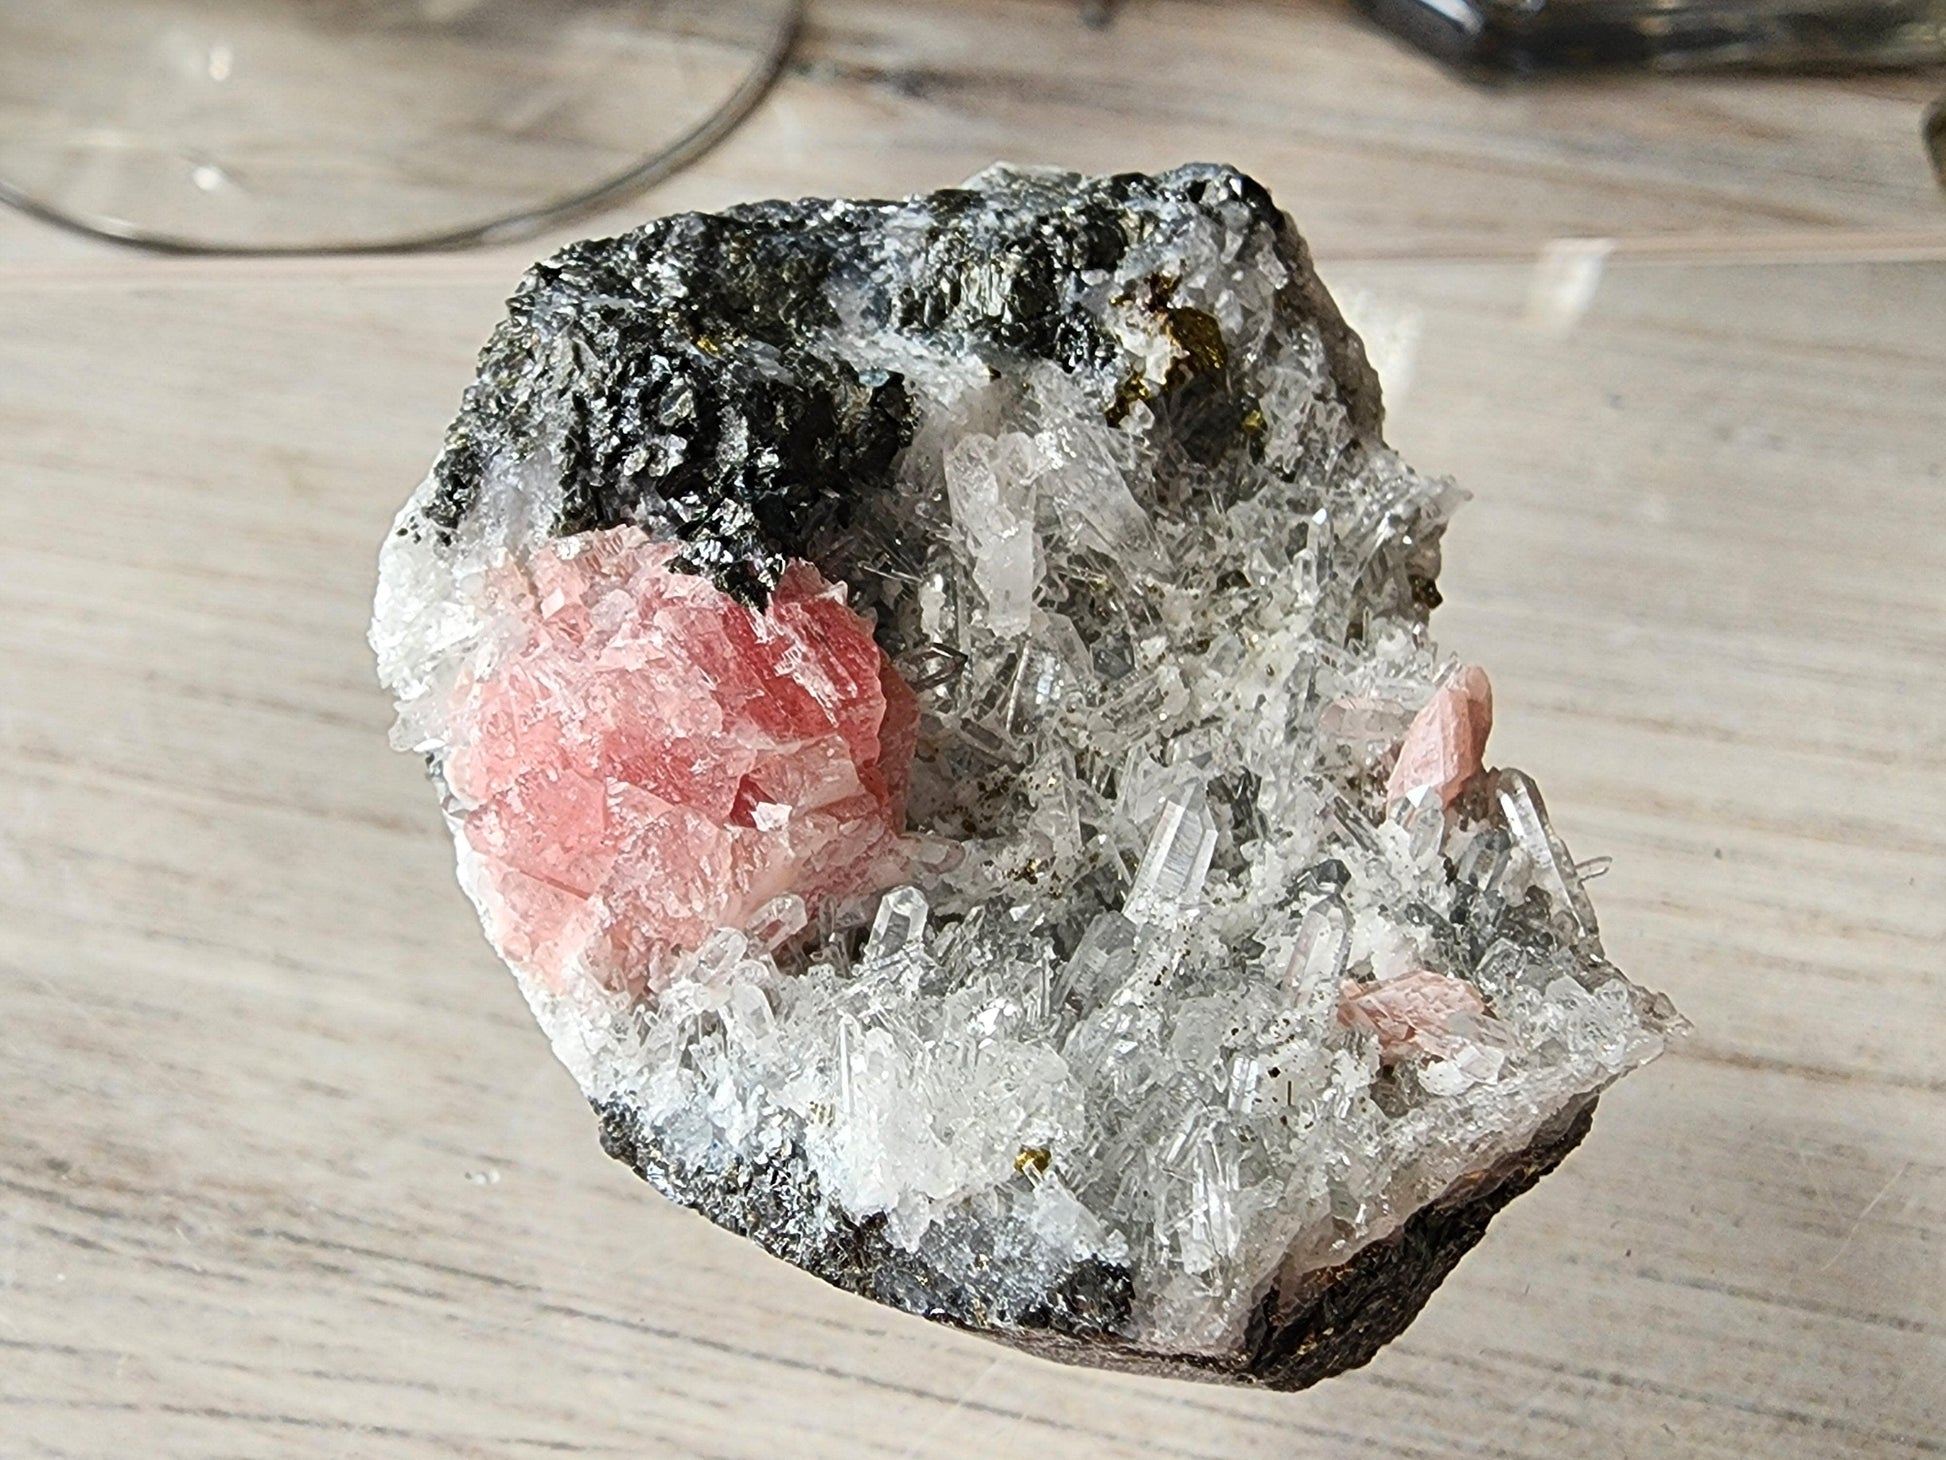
1411	1014
1446	744
642	759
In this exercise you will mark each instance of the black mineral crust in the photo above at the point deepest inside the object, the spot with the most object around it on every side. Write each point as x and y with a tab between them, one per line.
681	377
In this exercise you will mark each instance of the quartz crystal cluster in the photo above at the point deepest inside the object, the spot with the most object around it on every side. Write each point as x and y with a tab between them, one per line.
934	703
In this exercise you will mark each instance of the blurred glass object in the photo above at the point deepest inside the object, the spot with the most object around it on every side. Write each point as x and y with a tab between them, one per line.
1522	37
1936	139
271	126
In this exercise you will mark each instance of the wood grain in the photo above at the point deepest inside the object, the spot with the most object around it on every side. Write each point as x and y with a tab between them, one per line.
286	1171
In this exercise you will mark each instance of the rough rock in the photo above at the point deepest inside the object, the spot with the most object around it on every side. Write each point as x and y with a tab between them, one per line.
935	706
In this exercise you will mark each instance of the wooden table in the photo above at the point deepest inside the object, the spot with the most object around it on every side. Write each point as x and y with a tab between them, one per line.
284	1168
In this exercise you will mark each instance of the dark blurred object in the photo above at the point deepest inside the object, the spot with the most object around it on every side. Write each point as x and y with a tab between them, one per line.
1524	37
312	126
1936	139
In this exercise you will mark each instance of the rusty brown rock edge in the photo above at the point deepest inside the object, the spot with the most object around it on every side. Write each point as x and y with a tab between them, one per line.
1304	1328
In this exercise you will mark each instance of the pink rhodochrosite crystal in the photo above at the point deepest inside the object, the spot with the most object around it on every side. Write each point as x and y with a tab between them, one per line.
1447	742
643	759
1412	1014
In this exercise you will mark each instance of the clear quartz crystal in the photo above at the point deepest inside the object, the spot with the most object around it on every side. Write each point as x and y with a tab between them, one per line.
1110	1018
1176	862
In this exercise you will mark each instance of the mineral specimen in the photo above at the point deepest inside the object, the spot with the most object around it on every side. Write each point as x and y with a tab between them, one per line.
934	703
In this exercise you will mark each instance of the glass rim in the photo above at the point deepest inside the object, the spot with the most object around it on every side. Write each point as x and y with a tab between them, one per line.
502	227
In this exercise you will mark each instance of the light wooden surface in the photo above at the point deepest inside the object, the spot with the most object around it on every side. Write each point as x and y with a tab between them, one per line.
284	1169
